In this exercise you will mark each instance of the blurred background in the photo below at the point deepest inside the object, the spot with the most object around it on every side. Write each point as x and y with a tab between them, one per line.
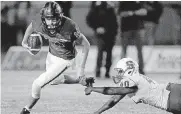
16	15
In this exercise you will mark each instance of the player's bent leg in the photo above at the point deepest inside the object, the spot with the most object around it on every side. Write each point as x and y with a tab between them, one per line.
174	101
54	64
65	79
52	73
36	88
71	79
59	80
27	108
83	80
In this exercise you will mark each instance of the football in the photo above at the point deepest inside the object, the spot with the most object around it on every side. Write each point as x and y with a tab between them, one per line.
35	43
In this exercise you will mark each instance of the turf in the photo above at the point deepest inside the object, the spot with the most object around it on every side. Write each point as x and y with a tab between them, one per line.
66	99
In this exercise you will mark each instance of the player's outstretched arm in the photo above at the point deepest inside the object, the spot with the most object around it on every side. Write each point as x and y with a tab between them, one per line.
28	31
85	52
110	90
109	104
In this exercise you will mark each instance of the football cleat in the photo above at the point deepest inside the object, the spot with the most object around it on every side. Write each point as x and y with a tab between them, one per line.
25	111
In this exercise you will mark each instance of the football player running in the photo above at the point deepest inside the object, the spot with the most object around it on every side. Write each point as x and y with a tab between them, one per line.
61	33
140	88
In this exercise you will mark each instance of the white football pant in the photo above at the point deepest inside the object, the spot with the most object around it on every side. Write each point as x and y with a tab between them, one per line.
54	67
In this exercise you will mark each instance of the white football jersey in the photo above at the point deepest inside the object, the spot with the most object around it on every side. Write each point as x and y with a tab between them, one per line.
149	91
126	82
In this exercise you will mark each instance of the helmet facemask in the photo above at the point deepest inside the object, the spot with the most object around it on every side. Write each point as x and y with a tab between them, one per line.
119	76
122	73
124	69
51	24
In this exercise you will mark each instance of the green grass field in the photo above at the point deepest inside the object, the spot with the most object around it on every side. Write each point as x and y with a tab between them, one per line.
66	99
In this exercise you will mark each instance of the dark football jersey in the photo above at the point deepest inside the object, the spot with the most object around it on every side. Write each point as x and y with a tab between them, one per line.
61	44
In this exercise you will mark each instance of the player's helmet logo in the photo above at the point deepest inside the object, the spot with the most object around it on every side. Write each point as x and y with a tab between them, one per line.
125	67
51	15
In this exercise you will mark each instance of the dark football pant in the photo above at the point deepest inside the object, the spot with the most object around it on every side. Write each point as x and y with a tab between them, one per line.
104	46
174	100
136	37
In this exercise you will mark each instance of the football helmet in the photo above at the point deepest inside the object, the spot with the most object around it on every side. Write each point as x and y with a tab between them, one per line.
51	16
125	67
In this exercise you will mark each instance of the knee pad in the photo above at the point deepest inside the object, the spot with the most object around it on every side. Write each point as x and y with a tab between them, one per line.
36	89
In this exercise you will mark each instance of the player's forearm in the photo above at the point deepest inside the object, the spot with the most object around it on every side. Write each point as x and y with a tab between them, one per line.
103	108
85	51
29	30
106	106
112	102
113	90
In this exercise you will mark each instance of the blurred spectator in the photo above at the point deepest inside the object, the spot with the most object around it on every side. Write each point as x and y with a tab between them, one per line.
5	31
177	8
14	22
102	19
132	14
66	6
154	11
22	9
7	24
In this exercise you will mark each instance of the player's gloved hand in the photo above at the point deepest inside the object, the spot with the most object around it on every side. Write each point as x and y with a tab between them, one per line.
25	46
88	90
86	81
28	48
90	81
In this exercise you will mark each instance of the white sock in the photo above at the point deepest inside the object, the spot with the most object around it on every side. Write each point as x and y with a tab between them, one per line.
27	108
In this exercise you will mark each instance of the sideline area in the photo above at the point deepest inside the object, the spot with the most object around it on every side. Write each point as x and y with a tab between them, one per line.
157	59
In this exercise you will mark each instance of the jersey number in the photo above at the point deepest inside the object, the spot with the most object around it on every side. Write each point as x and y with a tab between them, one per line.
124	84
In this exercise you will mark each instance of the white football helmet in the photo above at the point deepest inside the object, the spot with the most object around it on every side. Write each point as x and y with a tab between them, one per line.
125	67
